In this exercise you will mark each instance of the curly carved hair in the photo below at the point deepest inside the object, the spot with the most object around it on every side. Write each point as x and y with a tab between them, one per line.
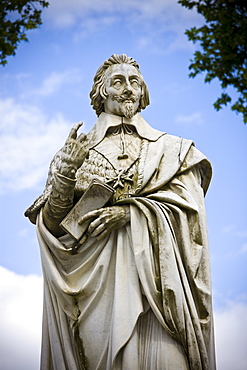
98	93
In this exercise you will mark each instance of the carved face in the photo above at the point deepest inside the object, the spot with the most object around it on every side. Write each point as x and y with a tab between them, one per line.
123	83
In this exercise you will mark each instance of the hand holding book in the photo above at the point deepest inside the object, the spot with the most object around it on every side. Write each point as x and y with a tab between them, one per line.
105	220
95	197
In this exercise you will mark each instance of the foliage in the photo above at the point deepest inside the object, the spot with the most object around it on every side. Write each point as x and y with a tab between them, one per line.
223	41
17	16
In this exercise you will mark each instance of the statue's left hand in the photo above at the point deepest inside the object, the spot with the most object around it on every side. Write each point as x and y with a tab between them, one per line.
105	220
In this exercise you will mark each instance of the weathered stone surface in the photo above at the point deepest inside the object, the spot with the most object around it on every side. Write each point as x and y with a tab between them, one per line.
134	292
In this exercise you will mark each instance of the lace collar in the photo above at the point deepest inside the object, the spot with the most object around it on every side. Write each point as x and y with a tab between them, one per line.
105	121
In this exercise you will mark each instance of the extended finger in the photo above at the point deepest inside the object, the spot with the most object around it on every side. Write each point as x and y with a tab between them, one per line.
96	230
89	215
73	131
102	235
82	137
95	223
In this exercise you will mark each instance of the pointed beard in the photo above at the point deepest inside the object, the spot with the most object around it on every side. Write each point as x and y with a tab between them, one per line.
128	109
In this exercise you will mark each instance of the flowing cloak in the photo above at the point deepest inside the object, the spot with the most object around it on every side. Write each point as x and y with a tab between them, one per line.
94	300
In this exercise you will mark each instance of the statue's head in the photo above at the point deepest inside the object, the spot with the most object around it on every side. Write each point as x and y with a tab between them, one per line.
119	87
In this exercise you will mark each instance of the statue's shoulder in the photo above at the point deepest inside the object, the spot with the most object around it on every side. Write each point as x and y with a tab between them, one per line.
173	139
173	144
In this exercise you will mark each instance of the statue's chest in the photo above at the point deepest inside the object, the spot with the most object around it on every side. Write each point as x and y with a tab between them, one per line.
113	164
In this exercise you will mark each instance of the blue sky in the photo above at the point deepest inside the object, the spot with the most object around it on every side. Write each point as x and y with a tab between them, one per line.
44	91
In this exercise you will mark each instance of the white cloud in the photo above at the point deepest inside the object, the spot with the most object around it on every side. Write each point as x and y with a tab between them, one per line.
67	13
28	141
154	18
191	119
20	326
55	81
229	229
20	320
242	234
244	248
232	231
231	337
92	25
51	84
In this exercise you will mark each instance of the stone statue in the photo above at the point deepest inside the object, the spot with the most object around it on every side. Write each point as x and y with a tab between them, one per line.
134	292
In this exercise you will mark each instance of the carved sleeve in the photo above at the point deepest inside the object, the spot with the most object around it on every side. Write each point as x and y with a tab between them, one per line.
59	203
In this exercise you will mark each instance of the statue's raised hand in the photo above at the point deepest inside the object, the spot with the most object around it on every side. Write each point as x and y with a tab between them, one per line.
73	152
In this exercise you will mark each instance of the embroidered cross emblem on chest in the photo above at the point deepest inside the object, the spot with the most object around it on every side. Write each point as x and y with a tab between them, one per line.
119	179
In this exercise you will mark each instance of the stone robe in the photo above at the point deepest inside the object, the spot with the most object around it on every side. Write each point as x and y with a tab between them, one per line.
141	297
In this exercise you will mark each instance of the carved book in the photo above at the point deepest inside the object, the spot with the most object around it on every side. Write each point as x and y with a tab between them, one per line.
96	196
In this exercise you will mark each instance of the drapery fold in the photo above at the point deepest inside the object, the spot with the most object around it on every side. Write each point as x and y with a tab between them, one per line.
183	263
106	306
162	255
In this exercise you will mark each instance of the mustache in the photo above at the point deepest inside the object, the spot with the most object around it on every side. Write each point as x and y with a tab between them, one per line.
122	98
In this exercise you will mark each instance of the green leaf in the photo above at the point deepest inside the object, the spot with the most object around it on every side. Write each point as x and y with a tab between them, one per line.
222	50
13	32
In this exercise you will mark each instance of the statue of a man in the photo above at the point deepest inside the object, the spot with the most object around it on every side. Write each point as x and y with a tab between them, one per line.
136	293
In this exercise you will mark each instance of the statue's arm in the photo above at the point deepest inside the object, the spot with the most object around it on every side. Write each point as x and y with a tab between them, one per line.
61	197
59	203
